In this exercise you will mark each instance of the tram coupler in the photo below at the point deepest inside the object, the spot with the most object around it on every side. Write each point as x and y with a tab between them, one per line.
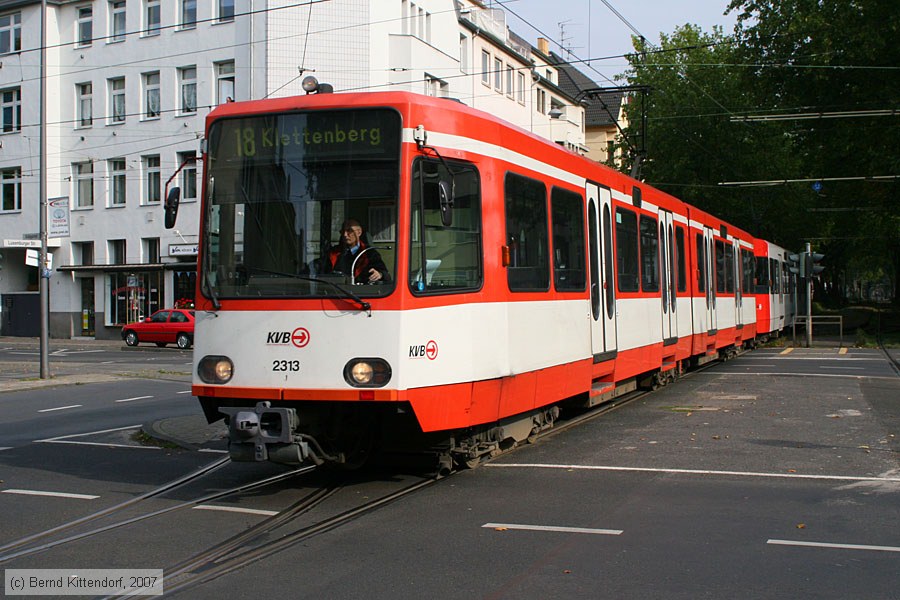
265	433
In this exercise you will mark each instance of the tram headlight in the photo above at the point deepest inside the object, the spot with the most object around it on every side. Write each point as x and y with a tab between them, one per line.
367	372
215	369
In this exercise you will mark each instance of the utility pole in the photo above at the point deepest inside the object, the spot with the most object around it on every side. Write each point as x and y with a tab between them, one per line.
44	271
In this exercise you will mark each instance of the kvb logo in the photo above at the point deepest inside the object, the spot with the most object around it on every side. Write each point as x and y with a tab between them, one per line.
428	350
298	337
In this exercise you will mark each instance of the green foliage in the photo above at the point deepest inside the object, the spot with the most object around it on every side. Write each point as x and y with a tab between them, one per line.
784	57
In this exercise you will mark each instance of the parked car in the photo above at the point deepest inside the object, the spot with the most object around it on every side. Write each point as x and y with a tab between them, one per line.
167	326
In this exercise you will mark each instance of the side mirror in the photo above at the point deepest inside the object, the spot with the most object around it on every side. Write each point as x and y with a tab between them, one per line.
446	201
171	208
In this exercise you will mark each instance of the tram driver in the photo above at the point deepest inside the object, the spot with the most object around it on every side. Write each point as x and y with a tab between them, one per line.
353	253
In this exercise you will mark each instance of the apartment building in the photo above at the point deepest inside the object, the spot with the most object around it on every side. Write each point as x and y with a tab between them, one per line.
129	84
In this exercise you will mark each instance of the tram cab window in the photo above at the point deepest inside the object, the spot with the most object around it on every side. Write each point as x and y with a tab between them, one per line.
627	250
567	211
649	255
443	258
526	234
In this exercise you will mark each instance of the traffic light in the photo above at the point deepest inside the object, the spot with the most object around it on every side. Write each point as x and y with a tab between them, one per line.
796	262
813	269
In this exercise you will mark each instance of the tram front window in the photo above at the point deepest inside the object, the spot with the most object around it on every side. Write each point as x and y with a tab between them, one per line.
280	189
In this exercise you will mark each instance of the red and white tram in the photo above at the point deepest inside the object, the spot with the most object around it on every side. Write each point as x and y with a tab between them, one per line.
519	276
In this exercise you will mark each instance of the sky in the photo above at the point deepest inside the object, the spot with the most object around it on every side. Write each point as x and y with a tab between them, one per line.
592	30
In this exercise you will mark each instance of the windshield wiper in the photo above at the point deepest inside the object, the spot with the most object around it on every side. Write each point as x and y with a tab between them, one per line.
212	291
343	292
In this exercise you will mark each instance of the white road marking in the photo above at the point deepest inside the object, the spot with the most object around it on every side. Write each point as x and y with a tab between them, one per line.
249	511
838	546
2	448
53	494
552	528
46	410
846	368
133	399
67	439
184	392
212	451
754	373
688	472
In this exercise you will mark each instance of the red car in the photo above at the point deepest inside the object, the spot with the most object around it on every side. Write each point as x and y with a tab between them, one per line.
168	326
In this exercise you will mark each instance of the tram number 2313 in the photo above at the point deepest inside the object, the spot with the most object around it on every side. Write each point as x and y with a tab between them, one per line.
286	365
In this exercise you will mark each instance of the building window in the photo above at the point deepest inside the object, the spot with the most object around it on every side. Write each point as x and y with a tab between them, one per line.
463	53
152	177
85	26
117	99
116	249
83	253
151	250
435	87
541	104
498	75
188	78
151	17
224	82
510	81
485	67
188	14
116	168
224	10
10	33
85	92
188	176
521	87
10	110
84	184
117	21
151	95
11	189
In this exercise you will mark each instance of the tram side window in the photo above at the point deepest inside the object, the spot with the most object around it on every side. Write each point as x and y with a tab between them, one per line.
649	255
679	249
774	277
567	212
720	267
748	265
701	264
526	234
451	255
762	275
729	269
627	250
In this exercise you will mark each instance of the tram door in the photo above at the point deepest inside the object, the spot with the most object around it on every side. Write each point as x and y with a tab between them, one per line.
709	241
738	282
667	282
603	297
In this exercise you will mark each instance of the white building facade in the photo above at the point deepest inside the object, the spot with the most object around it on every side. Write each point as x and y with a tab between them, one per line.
129	84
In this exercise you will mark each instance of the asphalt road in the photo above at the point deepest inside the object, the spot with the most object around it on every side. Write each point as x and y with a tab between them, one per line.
770	476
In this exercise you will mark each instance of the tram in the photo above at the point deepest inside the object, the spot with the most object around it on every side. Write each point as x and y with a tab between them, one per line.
518	278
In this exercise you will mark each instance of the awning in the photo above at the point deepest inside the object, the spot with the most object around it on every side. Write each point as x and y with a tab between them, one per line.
132	268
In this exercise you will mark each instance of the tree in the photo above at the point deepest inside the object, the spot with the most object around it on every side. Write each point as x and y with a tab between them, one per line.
794	58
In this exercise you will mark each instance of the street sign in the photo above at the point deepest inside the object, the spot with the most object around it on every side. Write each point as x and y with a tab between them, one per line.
32	258
31	236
